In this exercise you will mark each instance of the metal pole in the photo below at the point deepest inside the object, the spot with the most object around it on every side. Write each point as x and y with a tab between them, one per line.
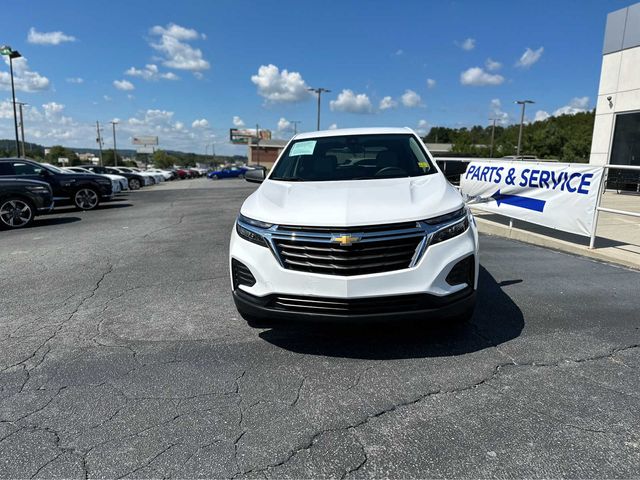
295	126
24	151
99	140
15	116
596	213
523	103
115	148
520	133
319	95
493	134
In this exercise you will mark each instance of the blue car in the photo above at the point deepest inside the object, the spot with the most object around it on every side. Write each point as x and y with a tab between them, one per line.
231	172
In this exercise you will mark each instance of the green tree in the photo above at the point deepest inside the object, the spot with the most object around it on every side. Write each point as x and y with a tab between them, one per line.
108	158
162	159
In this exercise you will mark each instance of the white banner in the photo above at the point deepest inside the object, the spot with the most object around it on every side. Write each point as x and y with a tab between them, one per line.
561	196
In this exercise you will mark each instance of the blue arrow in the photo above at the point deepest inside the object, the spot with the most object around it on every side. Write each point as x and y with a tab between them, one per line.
518	201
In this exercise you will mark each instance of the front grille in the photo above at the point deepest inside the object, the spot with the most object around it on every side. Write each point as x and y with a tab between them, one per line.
326	257
241	274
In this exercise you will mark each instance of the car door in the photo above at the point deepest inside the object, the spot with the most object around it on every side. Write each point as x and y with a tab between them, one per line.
59	185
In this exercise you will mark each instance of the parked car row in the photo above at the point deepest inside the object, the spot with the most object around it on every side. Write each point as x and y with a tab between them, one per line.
29	188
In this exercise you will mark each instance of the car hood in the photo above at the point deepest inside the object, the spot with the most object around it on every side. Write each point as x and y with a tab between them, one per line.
352	203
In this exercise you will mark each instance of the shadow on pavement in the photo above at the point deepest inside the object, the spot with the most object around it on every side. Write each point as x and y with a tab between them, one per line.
107	206
496	320
44	221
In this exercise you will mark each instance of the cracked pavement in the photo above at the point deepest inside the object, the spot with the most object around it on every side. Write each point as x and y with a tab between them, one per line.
122	356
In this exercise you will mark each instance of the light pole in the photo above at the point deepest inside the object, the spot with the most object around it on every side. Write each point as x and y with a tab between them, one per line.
295	126
8	51
319	91
493	135
115	149
523	103
99	140
24	151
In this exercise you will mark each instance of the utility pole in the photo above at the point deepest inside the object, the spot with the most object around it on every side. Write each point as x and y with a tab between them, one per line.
24	151
11	53
257	144
99	140
295	126
493	135
115	148
319	91
523	103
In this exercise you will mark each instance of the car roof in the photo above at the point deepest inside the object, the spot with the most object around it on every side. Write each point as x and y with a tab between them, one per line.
355	131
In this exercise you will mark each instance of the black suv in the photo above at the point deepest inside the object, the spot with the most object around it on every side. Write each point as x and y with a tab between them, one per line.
80	189
135	181
22	200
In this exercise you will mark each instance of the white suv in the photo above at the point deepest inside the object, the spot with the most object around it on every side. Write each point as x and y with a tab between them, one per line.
350	224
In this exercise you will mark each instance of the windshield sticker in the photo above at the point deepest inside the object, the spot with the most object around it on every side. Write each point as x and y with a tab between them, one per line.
423	164
303	148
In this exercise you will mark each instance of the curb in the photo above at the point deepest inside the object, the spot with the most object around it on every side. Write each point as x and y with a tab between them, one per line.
614	255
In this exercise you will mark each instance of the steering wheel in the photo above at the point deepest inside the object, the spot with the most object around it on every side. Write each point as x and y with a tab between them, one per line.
390	171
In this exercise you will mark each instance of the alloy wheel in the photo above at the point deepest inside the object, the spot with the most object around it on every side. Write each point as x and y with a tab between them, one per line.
86	199
15	213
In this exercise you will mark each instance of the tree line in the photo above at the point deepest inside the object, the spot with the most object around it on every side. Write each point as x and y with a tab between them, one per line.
565	137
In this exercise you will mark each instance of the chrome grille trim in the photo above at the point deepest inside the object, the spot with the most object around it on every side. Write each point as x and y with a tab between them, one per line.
314	251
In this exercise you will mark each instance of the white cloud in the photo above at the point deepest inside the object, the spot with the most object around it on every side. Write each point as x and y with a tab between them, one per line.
177	53
150	72
76	80
52	109
540	116
387	103
348	101
280	86
284	125
410	99
529	57
431	83
399	52
423	127
333	126
576	105
477	77
48	38
468	45
124	85
202	123
237	121
107	98
495	111
25	79
492	65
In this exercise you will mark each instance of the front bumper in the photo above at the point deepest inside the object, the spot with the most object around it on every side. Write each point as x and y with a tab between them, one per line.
420	307
427	277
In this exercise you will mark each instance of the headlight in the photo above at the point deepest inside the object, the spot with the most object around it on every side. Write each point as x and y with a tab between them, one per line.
453	224
103	181
249	229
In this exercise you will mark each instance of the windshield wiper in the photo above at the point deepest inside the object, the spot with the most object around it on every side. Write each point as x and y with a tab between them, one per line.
290	179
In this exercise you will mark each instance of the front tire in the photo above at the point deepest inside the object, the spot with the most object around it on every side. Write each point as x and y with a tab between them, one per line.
16	213
214	177
134	184
86	198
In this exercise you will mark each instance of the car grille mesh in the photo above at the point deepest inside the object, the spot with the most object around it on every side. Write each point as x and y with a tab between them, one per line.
382	251
358	306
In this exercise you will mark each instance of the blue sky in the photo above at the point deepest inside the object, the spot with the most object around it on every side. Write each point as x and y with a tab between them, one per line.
185	71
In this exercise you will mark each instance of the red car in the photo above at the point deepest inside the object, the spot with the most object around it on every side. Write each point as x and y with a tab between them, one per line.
182	173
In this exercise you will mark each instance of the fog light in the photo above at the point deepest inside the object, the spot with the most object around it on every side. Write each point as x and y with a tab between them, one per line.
462	272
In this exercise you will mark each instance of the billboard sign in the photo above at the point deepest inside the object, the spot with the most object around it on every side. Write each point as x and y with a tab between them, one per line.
144	140
241	136
144	150
560	196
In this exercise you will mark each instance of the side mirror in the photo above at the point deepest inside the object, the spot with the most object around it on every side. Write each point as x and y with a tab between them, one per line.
44	172
255	176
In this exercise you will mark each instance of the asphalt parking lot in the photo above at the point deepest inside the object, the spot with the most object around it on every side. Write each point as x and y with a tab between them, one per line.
122	355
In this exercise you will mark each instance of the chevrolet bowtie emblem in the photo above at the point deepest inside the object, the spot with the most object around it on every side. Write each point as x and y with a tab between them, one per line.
345	240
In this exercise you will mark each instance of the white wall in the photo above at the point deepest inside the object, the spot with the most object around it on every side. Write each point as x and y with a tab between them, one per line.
620	80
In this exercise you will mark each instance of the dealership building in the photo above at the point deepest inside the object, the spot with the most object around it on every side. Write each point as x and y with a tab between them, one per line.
616	133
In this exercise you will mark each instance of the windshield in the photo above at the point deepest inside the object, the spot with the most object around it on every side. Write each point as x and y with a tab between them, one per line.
55	169
352	157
